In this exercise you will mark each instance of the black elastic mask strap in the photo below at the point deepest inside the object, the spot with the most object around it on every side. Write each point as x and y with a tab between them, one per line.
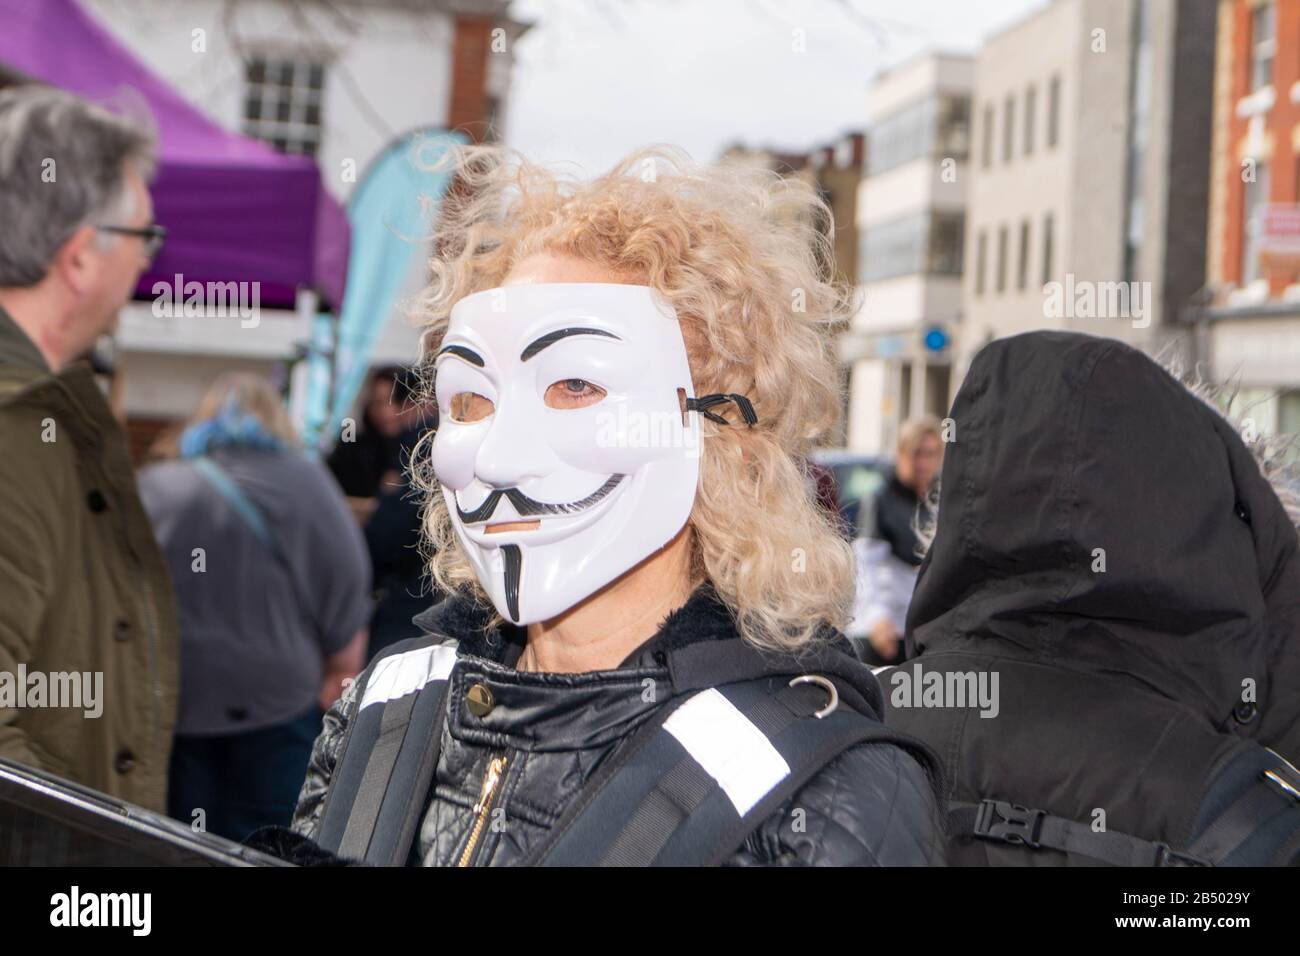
706	402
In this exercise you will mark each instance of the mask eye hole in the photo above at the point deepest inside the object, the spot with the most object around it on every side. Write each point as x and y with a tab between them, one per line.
573	393
469	407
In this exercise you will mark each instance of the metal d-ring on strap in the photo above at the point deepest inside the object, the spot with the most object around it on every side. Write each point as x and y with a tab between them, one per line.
827	686
704	403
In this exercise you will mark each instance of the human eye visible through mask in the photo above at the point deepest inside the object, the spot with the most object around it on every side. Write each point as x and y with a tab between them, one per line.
573	393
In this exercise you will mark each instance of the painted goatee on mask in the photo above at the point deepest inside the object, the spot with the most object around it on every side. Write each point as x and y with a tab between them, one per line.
564	449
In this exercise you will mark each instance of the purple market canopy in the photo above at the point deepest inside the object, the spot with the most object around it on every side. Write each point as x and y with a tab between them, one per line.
234	208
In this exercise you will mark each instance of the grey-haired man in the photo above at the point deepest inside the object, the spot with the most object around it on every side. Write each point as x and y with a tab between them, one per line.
85	598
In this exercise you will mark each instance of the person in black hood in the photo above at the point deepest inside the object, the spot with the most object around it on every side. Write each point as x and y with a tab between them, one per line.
1115	579
638	660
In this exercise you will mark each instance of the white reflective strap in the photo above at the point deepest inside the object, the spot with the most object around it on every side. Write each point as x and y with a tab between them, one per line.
401	674
729	747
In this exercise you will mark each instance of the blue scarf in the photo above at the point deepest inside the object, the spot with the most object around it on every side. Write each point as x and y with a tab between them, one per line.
232	427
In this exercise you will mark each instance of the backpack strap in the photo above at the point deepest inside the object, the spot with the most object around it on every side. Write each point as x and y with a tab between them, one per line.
691	785
1260	816
376	793
1260	821
1005	822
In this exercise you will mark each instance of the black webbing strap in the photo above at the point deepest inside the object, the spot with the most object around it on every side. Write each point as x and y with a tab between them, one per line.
818	742
552	852
684	788
1288	854
421	791
1005	822
653	805
374	783
1243	817
657	817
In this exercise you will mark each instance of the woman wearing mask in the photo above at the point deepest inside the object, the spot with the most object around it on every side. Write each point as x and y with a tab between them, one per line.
638	661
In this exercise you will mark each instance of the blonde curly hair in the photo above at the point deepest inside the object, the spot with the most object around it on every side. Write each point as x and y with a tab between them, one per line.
740	254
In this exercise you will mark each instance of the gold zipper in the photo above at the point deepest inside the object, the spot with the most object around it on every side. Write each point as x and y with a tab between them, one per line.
495	771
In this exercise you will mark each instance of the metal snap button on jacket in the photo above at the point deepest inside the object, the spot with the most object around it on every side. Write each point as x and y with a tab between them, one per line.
479	700
124	762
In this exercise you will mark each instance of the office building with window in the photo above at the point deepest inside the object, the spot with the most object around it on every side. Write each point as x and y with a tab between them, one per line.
1250	331
910	220
1089	188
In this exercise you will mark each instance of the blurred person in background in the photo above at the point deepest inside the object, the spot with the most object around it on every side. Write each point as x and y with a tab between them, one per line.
273	588
85	589
363	462
887	548
402	587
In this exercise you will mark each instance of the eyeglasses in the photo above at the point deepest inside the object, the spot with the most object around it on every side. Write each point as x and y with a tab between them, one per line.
153	236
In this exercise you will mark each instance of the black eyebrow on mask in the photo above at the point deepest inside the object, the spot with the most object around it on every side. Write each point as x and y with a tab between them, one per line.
550	338
469	355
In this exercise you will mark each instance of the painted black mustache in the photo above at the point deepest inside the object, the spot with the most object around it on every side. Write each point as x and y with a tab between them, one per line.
527	507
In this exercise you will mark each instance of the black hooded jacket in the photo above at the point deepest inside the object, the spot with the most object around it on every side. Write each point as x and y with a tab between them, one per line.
1107	546
873	805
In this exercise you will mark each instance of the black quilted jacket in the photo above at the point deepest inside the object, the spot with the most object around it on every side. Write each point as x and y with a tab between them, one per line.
873	805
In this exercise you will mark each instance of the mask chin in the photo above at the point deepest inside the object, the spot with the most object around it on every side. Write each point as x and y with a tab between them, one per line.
530	580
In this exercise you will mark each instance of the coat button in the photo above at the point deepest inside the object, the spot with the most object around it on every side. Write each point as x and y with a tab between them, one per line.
121	629
479	700
1245	711
124	762
96	501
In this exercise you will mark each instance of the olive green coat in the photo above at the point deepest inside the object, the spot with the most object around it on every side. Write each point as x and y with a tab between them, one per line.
83	586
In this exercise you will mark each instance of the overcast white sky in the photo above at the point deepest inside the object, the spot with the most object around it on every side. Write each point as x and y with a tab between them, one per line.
596	78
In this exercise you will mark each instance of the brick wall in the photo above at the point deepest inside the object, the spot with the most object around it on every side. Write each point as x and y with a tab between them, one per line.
471	106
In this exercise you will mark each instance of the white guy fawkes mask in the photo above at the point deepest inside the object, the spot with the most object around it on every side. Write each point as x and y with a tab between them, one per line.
564	450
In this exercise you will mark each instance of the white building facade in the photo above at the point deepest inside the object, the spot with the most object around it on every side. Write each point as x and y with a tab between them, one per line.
1089	174
911	225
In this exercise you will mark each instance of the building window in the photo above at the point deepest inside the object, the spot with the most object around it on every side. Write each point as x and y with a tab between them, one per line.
1053	111
1031	107
1047	248
981	250
1288	415
936	126
947	236
988	135
902	137
1263	44
893	248
954	127
1022	258
1139	121
924	243
1008	128
1252	224
282	102
1002	259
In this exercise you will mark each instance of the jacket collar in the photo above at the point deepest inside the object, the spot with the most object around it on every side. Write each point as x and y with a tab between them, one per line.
697	646
16	348
702	618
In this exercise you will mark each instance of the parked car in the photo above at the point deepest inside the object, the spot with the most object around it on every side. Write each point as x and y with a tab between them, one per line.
857	477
